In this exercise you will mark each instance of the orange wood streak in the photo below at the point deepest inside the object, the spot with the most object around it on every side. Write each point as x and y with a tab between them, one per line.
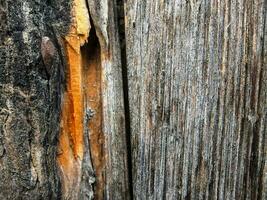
71	132
71	144
75	93
66	158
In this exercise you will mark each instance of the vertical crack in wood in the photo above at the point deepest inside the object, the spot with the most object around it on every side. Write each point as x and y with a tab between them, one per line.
122	39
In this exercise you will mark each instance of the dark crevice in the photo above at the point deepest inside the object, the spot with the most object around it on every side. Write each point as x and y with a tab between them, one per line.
122	39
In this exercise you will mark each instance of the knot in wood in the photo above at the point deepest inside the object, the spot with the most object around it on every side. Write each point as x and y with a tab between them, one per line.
48	51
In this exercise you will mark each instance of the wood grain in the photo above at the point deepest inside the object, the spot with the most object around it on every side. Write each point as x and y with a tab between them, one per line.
197	75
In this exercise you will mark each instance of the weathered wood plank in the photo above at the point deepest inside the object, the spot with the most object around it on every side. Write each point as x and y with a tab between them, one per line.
197	77
116	167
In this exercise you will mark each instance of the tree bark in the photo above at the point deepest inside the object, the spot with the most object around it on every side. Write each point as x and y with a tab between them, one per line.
197	76
30	96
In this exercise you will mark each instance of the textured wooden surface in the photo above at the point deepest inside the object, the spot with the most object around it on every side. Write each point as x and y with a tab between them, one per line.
197	75
104	17
194	74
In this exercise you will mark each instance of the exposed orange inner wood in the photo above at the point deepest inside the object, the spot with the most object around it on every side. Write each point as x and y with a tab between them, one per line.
71	133
83	92
71	144
76	94
72	110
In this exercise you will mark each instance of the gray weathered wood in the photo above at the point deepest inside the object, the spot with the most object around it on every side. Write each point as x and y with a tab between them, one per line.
197	75
104	16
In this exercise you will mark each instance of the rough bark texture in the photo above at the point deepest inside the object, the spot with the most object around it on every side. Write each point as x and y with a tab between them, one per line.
30	97
197	75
